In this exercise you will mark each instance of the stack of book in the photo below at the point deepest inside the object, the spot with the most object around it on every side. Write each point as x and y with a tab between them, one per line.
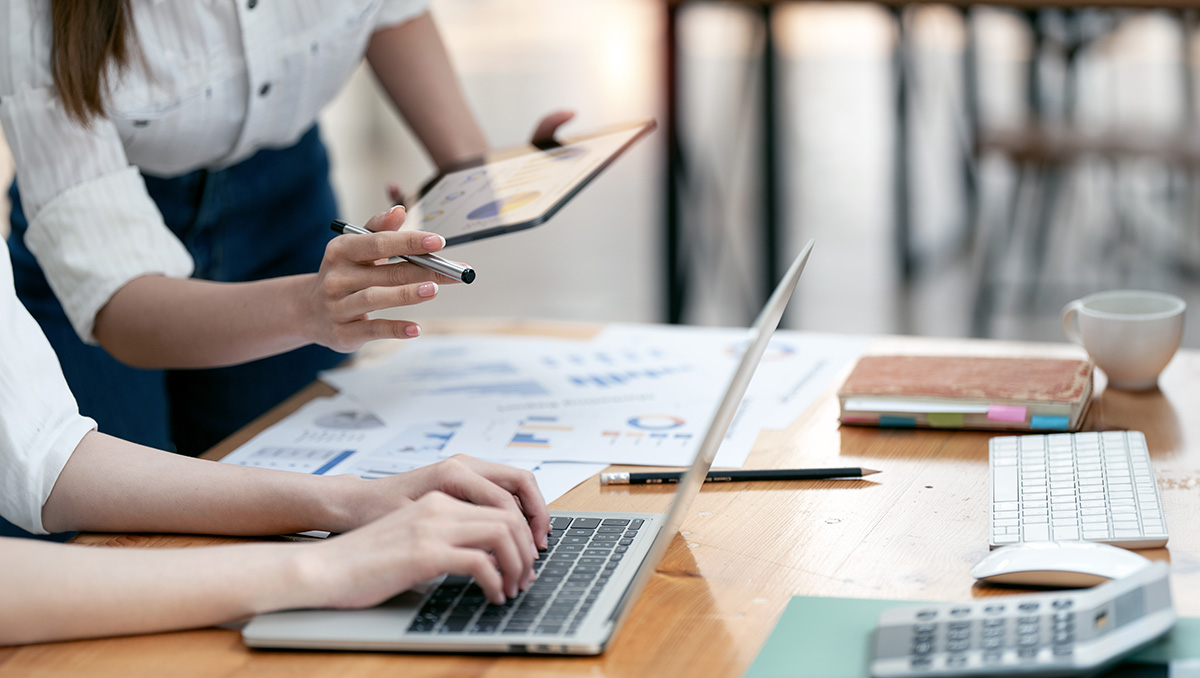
967	393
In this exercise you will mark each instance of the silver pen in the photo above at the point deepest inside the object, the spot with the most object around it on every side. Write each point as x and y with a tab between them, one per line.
430	262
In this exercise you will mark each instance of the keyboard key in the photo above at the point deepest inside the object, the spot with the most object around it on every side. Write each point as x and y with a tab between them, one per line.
1066	533
1004	484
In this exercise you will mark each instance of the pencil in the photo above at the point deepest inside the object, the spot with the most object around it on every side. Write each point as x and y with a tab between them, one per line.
656	478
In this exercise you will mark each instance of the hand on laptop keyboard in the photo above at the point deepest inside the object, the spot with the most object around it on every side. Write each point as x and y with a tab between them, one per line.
472	480
434	535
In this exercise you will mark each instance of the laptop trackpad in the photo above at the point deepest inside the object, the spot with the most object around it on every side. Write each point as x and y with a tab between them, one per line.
386	622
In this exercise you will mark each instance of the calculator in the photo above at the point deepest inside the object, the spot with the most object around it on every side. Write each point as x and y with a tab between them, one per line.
1075	633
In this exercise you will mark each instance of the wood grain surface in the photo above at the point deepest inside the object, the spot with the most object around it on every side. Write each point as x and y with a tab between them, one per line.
911	532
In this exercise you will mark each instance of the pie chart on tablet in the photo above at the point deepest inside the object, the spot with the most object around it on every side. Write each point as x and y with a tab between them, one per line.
503	205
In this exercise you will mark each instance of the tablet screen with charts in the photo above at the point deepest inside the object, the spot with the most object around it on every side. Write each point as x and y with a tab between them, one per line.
517	188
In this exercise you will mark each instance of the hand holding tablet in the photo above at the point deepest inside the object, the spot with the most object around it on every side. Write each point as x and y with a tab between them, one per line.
507	190
517	188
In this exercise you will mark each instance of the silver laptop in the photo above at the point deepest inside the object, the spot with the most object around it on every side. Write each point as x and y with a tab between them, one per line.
596	566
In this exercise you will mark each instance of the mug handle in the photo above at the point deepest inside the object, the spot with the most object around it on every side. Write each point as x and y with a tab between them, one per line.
1070	322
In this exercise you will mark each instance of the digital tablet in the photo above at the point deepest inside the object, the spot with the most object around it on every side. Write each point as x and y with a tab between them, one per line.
517	188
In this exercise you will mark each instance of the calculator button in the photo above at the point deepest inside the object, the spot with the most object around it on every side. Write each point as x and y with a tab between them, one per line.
995	608
992	657
923	647
1064	650
1063	604
921	662
1028	606
926	615
958	634
956	660
1027	640
1027	652
925	628
992	642
960	611
958	645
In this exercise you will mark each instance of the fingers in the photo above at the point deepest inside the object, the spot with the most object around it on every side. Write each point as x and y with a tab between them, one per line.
377	298
454	478
513	482
489	529
434	535
367	249
390	220
549	125
469	541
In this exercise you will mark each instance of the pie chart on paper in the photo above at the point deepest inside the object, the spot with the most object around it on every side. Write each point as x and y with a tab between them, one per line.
503	205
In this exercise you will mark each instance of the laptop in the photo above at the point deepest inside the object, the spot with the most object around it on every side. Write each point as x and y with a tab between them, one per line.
597	565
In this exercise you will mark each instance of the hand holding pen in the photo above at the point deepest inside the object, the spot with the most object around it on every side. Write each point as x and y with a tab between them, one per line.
351	284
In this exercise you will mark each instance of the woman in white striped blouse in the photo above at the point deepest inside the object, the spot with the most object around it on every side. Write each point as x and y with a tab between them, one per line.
174	197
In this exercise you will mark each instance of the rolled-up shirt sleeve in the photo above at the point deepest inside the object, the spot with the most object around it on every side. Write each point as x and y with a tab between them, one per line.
40	424
92	224
399	11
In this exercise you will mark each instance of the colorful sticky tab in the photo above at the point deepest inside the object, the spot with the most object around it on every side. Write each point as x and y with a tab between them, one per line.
1055	423
945	419
1011	413
897	422
859	420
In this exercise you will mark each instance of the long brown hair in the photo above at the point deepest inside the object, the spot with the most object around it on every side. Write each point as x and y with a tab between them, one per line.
86	37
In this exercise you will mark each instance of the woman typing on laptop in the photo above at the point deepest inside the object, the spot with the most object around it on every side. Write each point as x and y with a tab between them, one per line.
462	516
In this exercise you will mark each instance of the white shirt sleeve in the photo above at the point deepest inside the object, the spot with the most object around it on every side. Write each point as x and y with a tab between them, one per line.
92	224
399	11
40	424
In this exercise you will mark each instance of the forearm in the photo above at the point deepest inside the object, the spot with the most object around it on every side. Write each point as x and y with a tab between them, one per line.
110	485
160	322
58	592
414	68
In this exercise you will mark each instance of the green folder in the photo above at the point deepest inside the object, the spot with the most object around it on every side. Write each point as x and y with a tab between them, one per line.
831	638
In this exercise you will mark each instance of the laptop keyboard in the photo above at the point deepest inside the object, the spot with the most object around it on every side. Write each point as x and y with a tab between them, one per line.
571	574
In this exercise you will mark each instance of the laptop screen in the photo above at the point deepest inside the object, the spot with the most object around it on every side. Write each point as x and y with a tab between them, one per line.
689	485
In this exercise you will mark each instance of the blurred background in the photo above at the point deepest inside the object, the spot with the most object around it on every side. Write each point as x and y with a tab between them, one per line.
965	172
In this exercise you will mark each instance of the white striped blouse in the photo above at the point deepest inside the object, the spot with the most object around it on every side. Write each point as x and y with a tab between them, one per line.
224	78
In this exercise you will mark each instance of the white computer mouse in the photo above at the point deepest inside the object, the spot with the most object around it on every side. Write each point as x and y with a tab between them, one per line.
1064	564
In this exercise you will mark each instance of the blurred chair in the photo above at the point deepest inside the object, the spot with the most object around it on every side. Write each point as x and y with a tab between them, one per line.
1051	152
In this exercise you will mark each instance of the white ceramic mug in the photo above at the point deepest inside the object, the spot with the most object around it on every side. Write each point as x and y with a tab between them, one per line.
1131	334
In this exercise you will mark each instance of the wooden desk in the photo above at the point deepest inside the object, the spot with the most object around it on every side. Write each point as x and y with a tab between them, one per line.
745	549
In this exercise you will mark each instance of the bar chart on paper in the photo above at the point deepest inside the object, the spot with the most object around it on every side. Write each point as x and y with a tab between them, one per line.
299	459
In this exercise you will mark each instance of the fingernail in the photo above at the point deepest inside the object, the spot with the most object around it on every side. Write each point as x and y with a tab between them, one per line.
427	289
413	330
434	242
395	207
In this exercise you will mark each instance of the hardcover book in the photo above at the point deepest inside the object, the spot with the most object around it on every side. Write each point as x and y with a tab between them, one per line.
967	393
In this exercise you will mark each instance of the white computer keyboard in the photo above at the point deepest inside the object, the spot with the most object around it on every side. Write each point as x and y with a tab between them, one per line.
1090	486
